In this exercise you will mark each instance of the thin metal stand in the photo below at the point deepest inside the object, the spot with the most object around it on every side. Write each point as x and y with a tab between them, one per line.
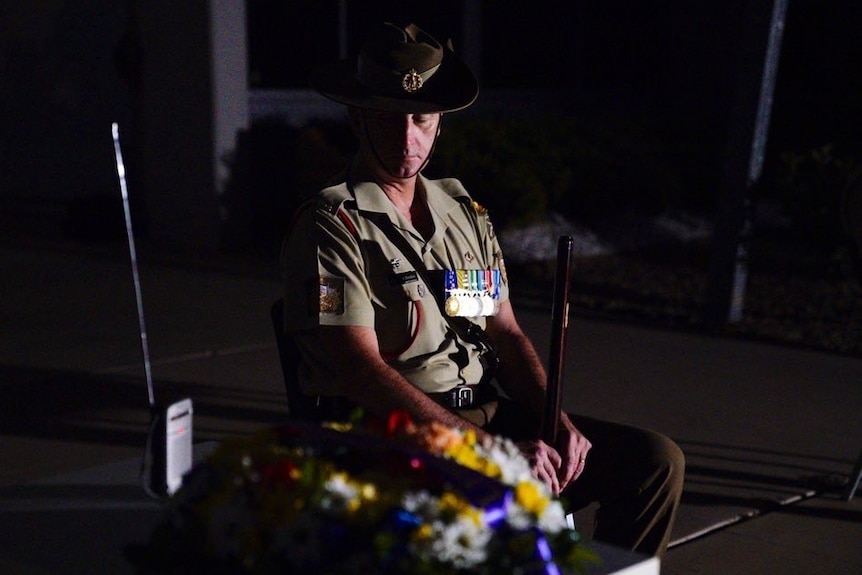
853	485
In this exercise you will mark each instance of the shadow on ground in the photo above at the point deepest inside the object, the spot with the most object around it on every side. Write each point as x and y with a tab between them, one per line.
114	410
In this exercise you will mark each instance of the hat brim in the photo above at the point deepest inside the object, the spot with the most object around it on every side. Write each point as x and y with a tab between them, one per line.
453	87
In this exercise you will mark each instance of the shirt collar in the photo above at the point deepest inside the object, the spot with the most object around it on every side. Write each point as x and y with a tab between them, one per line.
370	197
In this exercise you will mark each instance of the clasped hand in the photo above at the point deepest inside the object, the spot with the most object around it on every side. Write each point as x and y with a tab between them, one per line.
558	466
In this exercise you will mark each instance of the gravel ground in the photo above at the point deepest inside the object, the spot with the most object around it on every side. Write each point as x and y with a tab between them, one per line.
655	271
635	269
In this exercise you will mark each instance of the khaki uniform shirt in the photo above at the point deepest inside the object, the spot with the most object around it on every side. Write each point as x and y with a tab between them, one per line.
341	268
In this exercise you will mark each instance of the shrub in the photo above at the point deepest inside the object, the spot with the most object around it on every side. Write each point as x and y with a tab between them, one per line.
810	186
521	167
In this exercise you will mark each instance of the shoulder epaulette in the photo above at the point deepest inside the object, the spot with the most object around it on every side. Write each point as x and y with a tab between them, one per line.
331	199
337	201
453	188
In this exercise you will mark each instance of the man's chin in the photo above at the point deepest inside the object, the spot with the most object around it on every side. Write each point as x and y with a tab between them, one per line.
405	172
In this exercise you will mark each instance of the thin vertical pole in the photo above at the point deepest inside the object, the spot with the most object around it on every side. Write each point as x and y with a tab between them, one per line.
757	66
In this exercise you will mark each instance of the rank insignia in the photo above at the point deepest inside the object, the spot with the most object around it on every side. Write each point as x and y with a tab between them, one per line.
331	293
328	207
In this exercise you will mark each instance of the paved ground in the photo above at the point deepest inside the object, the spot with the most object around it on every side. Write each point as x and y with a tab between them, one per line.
770	433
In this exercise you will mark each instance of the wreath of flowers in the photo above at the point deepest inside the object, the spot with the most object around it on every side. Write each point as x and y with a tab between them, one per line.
419	499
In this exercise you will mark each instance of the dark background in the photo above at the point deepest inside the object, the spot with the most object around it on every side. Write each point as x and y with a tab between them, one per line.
669	67
668	61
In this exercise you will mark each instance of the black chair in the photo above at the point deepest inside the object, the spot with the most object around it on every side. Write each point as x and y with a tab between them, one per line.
299	404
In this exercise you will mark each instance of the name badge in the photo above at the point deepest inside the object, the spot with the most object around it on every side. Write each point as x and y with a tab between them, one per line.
472	293
403	278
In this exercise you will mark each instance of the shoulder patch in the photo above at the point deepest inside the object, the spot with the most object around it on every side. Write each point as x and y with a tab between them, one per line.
331	295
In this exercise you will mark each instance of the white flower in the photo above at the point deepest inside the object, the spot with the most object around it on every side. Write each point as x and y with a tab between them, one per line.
462	543
339	494
553	518
518	517
503	452
533	505
420	503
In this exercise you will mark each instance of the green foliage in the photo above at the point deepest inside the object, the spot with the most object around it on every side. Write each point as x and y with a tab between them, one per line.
521	167
518	166
810	186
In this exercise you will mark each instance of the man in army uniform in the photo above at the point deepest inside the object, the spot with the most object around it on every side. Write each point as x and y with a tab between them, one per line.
397	296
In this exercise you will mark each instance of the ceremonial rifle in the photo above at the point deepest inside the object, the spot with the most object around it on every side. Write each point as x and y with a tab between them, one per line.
559	327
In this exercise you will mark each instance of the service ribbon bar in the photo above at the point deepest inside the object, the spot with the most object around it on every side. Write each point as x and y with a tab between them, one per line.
472	293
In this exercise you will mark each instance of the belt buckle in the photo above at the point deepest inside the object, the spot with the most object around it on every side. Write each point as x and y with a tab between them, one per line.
461	396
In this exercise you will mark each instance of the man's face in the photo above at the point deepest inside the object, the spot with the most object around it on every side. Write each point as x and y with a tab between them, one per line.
401	142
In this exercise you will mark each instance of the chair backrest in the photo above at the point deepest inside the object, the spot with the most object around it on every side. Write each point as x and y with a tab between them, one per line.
298	404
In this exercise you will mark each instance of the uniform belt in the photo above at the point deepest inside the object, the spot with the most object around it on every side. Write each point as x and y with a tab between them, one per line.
465	396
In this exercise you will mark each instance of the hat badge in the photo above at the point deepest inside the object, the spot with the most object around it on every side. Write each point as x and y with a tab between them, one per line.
412	81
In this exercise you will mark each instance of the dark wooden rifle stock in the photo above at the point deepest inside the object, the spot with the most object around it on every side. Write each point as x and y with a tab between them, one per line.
559	326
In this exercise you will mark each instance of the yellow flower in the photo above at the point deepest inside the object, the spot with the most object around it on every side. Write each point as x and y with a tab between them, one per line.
458	506
425	531
468	457
343	427
470	437
368	491
528	496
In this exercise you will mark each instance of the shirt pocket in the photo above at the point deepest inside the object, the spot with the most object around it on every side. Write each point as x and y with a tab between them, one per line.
398	316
